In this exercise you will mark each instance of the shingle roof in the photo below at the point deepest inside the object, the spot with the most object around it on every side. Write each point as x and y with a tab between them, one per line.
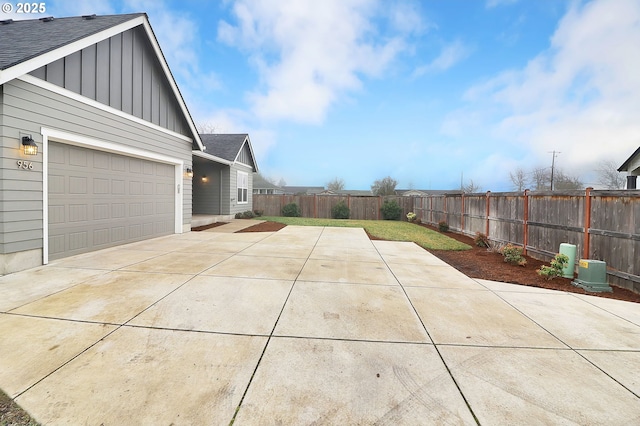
225	146
26	39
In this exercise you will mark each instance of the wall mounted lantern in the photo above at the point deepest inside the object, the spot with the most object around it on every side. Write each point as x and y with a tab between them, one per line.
189	172
29	146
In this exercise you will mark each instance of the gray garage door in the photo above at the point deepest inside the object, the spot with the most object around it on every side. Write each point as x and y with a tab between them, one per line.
98	200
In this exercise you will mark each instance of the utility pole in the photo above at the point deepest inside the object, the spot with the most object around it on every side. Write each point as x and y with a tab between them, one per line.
553	164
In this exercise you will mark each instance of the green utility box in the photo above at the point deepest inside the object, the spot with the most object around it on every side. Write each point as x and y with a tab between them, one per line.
592	276
570	251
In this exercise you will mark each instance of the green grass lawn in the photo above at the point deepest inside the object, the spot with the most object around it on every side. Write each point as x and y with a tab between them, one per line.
391	230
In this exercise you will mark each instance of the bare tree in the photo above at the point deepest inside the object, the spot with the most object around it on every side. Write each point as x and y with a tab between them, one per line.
205	128
519	179
336	184
282	182
563	181
471	187
386	186
609	176
541	179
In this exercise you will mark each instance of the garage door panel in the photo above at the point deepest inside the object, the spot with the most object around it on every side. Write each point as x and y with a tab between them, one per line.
93	207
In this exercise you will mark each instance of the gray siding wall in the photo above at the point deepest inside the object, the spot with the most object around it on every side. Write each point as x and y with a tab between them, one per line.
245	156
206	195
232	200
122	72
27	108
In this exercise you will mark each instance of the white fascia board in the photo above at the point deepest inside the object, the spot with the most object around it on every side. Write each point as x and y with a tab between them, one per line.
88	101
46	58
172	82
66	50
212	158
87	142
247	141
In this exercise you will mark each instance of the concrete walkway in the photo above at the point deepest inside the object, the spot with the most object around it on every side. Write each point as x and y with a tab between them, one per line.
308	325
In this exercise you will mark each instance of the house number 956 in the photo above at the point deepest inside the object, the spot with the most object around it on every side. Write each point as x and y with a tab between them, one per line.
25	165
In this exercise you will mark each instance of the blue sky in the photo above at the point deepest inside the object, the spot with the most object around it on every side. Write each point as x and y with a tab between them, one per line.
422	91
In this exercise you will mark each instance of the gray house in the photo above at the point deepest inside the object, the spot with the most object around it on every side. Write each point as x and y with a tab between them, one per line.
223	175
632	167
95	138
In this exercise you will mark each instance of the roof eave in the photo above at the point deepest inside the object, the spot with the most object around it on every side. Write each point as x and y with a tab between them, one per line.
210	157
625	165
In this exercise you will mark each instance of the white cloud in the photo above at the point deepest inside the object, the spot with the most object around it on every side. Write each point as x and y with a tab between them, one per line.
450	55
495	3
581	96
310	53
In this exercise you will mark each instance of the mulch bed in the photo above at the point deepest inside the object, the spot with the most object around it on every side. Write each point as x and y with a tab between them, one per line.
481	263
205	227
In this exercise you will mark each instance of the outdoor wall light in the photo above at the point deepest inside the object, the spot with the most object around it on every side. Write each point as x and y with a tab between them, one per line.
189	172
205	178
29	146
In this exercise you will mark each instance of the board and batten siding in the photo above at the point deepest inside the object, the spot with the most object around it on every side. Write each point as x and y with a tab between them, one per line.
122	72
27	108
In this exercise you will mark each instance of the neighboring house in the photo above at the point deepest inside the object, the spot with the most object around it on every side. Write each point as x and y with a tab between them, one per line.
263	186
302	190
223	175
114	138
632	167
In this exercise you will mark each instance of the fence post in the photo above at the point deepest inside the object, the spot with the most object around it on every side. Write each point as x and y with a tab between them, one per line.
587	222
379	206
525	222
446	215
431	209
487	213
315	206
462	213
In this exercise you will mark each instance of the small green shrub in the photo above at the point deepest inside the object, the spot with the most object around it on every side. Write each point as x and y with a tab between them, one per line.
411	217
245	215
391	210
258	212
291	210
557	265
443	226
513	255
340	211
481	240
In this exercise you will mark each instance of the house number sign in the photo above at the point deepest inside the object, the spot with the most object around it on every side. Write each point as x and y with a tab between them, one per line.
25	165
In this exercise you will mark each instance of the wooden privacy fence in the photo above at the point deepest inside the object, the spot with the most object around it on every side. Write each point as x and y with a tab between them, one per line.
319	206
604	225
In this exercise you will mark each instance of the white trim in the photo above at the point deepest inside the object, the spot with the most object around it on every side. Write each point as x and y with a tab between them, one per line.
83	141
212	157
95	104
245	165
172	82
247	141
52	56
246	179
19	70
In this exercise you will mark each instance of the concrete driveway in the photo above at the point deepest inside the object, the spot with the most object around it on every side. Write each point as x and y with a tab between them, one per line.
308	325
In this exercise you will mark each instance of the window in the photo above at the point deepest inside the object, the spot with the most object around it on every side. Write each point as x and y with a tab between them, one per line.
243	187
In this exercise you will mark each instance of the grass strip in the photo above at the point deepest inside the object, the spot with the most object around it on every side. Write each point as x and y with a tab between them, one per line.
391	230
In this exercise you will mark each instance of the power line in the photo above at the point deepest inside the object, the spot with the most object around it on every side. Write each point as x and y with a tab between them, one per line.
553	163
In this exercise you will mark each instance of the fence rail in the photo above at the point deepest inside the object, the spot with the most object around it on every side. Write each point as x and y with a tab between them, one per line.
604	225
